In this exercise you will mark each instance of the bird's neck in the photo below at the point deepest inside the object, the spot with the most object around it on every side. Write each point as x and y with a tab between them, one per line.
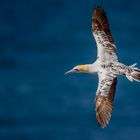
90	68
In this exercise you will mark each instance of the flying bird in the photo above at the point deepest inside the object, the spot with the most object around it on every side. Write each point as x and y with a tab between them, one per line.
107	66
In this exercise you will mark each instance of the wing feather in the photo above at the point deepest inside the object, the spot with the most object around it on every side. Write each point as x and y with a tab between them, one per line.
103	37
104	99
100	22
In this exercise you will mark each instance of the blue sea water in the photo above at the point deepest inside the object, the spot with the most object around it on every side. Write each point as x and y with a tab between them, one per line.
39	41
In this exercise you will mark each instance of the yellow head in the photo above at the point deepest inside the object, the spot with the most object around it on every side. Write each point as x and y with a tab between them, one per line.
78	69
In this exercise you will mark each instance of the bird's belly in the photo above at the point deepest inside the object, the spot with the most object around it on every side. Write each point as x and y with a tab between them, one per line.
110	69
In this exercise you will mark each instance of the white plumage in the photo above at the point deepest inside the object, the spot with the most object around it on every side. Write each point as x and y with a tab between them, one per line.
106	66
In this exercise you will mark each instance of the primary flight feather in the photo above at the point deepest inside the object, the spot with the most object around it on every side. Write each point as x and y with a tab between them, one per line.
106	66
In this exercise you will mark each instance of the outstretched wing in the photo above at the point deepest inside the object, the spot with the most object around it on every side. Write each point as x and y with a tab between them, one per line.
104	99
102	35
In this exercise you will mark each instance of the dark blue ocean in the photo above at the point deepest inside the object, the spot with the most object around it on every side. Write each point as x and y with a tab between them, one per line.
39	41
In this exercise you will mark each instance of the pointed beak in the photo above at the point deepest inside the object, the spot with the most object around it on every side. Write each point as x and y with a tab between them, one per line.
70	71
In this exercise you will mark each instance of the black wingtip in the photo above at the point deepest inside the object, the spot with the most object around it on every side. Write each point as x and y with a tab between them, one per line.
98	7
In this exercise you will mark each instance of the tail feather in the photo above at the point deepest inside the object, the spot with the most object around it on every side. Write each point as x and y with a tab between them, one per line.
134	73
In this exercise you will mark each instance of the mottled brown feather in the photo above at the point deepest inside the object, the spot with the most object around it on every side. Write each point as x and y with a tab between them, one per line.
104	105
100	22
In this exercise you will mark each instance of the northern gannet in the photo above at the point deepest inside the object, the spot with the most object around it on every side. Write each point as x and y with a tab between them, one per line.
106	66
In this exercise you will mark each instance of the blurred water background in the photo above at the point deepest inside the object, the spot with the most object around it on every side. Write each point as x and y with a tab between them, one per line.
39	41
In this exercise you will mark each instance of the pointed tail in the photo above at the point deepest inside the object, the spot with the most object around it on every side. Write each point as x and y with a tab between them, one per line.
134	73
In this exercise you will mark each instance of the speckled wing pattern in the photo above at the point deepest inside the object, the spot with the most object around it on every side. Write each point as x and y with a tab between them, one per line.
103	36
106	55
104	99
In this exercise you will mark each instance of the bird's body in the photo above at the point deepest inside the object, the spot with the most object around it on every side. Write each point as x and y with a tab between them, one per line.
107	66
